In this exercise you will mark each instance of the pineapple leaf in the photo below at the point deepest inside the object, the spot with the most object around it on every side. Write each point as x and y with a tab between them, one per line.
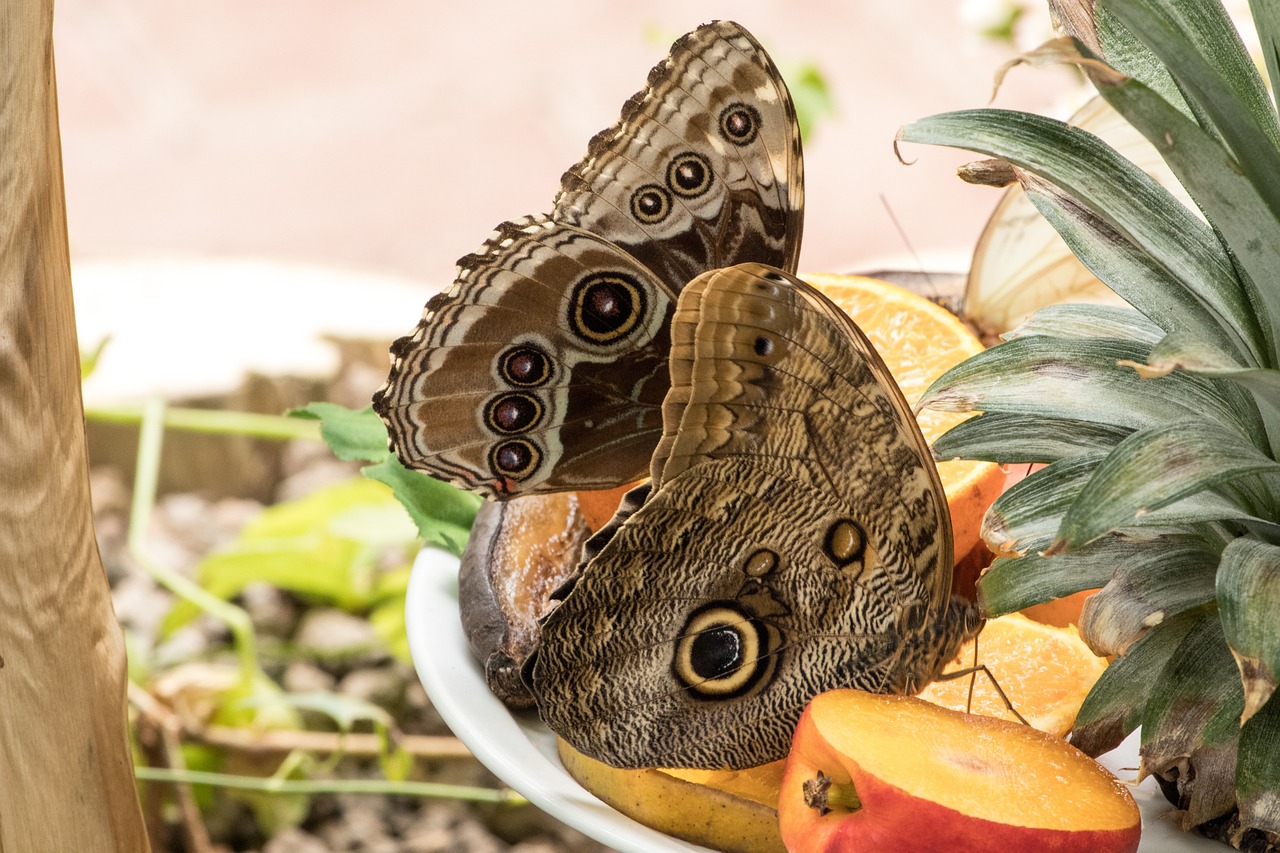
1249	598
1129	270
1266	17
1098	179
1154	468
1028	516
1258	773
1193	715
1107	37
1077	379
1015	583
1013	439
1159	582
1200	47
1114	706
1235	202
1083	320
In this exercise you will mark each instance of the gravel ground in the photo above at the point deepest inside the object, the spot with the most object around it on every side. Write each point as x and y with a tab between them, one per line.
185	527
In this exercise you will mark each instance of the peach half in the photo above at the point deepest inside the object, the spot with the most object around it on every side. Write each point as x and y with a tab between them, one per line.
895	773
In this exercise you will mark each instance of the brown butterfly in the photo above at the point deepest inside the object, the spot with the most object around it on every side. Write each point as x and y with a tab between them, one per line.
794	538
544	366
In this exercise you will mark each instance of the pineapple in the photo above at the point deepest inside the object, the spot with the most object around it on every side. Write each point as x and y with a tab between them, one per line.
1159	426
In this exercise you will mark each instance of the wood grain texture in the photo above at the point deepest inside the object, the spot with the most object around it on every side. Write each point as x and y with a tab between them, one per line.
66	779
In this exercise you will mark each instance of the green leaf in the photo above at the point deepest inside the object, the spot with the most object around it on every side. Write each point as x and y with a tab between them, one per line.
353	435
1258	771
1199	46
1095	177
1169	576
442	513
1266	17
89	358
1116	702
1154	468
1082	320
1013	439
1013	584
324	546
1078	379
1248	591
1237	207
1128	270
1191	724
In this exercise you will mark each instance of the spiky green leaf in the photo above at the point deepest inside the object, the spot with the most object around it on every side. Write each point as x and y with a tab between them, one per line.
1115	704
1193	715
1266	17
1155	468
1014	439
1094	176
1169	576
1083	320
1258	773
1249	597
1078	379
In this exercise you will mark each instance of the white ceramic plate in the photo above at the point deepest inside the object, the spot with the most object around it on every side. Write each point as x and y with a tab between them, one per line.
520	751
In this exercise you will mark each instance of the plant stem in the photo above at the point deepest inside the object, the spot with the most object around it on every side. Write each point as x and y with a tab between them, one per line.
502	796
146	476
213	421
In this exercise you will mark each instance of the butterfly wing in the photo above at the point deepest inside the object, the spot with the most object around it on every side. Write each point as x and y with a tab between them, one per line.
522	359
702	169
796	539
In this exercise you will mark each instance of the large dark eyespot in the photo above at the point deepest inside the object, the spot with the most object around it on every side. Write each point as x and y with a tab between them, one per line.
740	123
845	542
650	204
516	459
605	306
689	175
513	413
525	366
723	652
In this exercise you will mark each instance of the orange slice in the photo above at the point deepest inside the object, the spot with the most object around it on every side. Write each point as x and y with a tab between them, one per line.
1046	671
918	341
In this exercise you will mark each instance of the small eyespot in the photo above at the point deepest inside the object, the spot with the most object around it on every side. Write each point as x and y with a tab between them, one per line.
516	459
845	542
513	413
761	563
774	275
606	306
763	346
525	366
740	123
723	652
689	175
650	204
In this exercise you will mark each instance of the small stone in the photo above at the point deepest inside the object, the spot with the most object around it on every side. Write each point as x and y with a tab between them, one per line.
303	677
382	686
330	632
273	611
140	603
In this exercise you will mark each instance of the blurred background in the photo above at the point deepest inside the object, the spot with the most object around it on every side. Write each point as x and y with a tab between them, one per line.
260	196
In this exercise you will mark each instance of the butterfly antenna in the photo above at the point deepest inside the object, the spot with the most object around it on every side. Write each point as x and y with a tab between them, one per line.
906	241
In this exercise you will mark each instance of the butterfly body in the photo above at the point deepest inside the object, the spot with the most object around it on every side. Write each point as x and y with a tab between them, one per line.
543	368
794	538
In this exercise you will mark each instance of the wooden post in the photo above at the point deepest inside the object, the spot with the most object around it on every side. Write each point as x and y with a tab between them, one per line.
66	778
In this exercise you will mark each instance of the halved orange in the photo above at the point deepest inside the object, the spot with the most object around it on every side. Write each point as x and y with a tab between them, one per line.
1046	671
918	341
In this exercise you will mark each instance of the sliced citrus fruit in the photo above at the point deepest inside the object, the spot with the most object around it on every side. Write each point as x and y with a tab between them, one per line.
918	340
1046	671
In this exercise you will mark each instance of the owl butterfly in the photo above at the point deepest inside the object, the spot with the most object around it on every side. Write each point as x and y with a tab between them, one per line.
794	538
545	365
